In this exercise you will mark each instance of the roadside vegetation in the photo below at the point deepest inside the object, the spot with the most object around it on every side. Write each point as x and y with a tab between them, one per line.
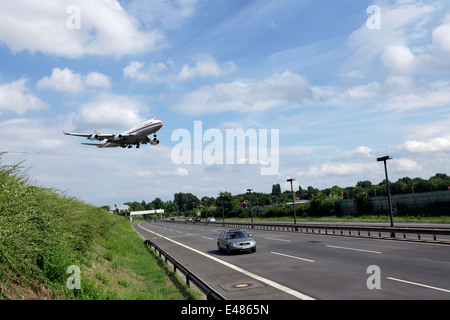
422	200
43	233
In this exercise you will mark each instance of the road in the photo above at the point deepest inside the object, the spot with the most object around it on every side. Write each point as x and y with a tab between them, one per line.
289	266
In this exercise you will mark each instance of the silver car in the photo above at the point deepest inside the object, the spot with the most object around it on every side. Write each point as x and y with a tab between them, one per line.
236	241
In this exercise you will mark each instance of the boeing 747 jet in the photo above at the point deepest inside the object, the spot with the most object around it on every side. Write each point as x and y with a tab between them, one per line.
135	136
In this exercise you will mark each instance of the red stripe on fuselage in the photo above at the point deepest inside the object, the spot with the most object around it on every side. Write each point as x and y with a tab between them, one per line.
150	125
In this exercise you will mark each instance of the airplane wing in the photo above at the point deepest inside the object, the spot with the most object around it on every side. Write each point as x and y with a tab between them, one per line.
92	136
78	134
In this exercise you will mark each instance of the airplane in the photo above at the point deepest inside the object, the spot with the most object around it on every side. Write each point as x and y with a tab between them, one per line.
135	136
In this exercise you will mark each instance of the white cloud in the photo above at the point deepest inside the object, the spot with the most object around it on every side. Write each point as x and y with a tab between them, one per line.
14	97
439	144
206	67
179	172
61	80
341	169
363	150
132	71
97	80
110	111
406	165
66	80
168	14
432	97
105	28
155	73
161	72
441	38
398	58
401	23
35	135
299	150
279	90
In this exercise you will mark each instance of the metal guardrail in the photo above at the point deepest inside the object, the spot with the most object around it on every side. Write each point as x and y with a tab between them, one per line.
350	230
190	277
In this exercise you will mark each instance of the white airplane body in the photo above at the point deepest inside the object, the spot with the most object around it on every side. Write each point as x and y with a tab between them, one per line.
135	136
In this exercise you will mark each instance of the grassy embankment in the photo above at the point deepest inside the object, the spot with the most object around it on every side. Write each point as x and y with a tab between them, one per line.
42	233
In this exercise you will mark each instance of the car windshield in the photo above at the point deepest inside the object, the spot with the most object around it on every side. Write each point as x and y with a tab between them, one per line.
237	235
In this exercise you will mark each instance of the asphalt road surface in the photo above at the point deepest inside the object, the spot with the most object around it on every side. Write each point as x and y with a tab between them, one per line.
288	266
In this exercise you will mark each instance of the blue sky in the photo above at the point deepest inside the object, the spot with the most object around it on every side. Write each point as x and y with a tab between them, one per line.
340	93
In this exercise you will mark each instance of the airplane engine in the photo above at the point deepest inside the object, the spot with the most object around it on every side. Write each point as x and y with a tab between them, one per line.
94	137
118	137
154	141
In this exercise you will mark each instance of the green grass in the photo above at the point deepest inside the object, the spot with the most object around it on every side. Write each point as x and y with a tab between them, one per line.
43	232
121	267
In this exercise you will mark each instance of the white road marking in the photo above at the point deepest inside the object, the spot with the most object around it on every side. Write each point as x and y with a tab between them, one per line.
278	239
236	268
419	284
293	257
207	238
354	249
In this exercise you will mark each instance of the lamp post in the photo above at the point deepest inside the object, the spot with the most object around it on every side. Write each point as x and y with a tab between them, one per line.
251	207
384	159
223	211
293	199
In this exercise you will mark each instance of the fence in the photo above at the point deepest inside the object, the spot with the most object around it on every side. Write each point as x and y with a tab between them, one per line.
190	277
410	201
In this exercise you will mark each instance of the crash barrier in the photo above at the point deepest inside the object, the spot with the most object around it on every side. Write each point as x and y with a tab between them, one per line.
415	233
190	277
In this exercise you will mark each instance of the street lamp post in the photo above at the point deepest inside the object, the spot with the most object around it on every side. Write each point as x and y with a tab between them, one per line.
251	207
293	199
223	211
384	159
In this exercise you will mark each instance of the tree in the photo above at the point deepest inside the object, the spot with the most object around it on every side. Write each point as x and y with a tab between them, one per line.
170	206
311	193
399	187
276	192
135	206
231	205
440	181
420	185
186	201
157	204
362	201
299	193
364	184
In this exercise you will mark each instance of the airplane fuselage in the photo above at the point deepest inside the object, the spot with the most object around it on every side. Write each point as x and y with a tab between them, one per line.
136	135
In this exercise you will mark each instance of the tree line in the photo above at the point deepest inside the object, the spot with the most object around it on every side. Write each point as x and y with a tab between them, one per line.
275	204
